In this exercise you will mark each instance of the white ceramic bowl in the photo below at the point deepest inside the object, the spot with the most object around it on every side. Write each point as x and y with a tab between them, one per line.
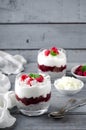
83	78
68	91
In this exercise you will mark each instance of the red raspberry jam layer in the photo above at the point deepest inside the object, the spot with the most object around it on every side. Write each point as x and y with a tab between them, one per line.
52	69
29	101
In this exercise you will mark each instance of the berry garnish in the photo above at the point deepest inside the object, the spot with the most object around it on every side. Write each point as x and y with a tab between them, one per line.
37	77
40	78
53	51
34	75
84	73
80	73
81	70
47	52
29	81
23	77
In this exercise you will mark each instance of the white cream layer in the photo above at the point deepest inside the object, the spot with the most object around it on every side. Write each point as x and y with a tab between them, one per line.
58	60
38	89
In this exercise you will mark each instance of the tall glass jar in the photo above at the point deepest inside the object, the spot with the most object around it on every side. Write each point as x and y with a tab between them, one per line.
53	65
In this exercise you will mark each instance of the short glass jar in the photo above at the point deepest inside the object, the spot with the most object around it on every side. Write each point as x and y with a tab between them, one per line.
33	93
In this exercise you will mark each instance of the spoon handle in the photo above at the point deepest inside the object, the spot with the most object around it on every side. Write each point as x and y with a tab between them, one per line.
79	104
68	104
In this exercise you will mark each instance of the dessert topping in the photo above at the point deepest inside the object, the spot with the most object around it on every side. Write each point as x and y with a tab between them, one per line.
29	78
23	77
53	51
47	52
81	70
38	77
29	81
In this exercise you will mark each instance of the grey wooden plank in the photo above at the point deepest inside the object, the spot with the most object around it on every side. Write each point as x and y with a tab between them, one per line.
72	122
37	36
53	11
75	56
83	10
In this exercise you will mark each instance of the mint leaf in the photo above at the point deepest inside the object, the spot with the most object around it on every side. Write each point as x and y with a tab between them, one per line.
34	75
31	75
53	53
83	68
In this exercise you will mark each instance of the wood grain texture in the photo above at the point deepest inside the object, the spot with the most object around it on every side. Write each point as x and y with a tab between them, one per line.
28	25
74	122
35	36
42	11
73	56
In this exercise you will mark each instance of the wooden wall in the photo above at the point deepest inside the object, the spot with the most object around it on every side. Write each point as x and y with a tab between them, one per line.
33	24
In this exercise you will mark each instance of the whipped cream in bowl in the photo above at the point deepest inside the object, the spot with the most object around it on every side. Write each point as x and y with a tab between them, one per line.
33	93
52	61
68	85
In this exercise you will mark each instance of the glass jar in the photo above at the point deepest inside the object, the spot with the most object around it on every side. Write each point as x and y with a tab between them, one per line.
33	96
53	65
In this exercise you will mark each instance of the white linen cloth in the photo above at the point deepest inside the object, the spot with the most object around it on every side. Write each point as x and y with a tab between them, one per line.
8	65
5	84
11	64
6	120
10	99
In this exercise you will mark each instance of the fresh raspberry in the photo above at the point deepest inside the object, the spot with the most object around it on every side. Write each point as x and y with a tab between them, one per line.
55	50
40	78
80	73
29	81
47	52
23	77
84	73
79	68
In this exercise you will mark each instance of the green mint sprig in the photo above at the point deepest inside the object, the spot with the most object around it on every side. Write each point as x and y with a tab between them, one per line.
83	68
53	53
34	75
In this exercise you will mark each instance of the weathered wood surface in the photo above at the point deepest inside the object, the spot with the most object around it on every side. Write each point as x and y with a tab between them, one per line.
70	122
74	120
28	25
42	11
73	56
28	36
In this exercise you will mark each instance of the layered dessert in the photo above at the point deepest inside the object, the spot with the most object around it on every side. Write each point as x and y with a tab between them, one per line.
52	61
33	92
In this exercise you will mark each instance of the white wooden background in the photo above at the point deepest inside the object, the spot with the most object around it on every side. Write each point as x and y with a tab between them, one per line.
28	25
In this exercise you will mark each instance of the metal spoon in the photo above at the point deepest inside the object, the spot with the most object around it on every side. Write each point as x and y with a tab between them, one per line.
68	104
61	113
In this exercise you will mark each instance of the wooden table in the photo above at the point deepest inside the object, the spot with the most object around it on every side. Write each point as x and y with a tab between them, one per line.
28	25
73	120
